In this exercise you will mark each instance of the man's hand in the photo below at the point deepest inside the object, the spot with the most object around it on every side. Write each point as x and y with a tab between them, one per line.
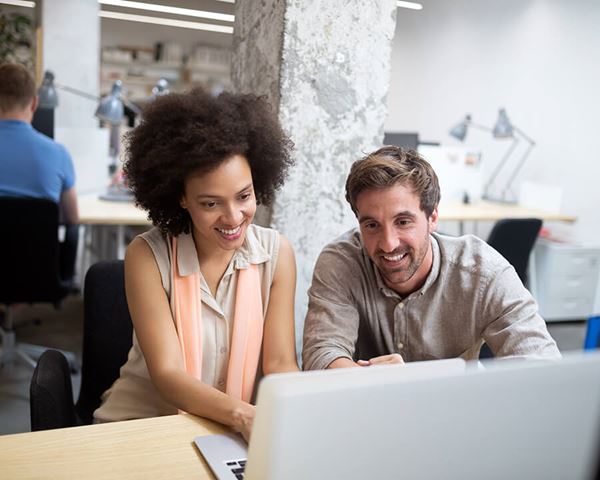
391	359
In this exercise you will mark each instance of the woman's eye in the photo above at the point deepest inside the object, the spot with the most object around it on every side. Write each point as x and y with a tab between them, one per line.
209	204
245	196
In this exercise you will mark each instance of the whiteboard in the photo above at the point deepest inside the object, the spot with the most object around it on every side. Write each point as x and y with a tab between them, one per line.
458	170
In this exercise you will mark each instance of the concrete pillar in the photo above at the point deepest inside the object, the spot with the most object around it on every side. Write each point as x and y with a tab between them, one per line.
325	64
70	47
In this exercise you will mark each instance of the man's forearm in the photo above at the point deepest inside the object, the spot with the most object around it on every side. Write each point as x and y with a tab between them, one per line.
342	362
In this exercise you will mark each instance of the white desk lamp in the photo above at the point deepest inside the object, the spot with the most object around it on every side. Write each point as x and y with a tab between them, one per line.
502	129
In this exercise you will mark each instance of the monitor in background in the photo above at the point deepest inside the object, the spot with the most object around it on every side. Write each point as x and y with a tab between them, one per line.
43	121
402	139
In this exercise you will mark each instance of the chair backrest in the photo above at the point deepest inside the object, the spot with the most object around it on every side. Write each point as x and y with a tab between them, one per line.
29	251
514	239
51	393
107	333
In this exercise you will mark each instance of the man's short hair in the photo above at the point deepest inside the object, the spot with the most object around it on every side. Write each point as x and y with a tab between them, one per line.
391	165
17	87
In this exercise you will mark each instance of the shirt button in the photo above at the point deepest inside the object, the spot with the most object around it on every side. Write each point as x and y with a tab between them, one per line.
223	350
400	345
400	305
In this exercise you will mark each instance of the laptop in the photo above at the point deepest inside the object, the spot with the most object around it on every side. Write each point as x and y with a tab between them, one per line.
226	454
517	420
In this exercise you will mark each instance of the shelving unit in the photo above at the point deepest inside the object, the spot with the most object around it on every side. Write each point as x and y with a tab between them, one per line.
206	67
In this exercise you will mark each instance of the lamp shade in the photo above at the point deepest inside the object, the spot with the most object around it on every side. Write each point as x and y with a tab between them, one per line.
161	88
503	127
111	108
47	95
460	130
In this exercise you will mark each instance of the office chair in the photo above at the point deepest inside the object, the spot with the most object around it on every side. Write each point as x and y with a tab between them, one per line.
30	272
107	333
514	239
107	338
51	393
592	333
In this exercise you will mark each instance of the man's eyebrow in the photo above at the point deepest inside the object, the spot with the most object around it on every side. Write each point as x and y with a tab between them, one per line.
365	218
403	213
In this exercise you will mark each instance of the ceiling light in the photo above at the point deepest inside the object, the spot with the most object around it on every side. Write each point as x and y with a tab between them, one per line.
224	17
209	27
411	5
18	3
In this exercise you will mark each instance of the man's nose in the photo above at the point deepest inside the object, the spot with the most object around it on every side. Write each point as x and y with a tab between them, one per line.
389	240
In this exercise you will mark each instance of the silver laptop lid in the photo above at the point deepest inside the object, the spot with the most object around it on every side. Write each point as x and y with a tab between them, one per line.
517	420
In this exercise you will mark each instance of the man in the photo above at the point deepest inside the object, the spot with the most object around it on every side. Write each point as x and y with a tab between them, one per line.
31	164
394	291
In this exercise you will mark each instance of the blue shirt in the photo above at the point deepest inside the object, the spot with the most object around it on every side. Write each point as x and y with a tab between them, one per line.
31	164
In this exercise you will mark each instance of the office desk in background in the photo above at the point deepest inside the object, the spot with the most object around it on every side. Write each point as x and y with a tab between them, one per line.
493	211
160	447
116	216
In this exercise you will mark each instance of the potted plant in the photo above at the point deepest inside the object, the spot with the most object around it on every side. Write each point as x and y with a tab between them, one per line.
16	39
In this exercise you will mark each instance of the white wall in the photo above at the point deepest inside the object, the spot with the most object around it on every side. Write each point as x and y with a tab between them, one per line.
70	49
540	59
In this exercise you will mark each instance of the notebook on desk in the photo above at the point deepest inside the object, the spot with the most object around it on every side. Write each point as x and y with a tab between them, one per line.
518	420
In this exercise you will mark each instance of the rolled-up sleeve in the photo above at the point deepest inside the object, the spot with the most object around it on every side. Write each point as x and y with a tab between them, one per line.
332	320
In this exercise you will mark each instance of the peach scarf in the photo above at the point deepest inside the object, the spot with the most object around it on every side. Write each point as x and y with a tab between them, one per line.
246	339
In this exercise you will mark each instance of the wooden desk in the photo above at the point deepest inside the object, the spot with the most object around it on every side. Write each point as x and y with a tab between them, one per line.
151	448
93	211
492	211
119	215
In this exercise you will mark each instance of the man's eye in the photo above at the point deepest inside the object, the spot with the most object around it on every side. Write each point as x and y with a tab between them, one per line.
209	204
245	196
370	226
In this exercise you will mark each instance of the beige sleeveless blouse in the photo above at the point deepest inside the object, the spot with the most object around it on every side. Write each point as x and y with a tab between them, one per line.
133	395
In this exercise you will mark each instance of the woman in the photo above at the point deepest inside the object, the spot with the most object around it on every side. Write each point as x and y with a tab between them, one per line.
210	294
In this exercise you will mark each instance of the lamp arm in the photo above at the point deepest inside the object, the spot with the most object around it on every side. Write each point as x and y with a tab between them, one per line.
501	164
479	126
96	98
137	110
527	139
77	92
521	162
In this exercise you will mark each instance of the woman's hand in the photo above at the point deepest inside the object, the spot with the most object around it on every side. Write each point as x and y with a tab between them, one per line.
391	359
242	419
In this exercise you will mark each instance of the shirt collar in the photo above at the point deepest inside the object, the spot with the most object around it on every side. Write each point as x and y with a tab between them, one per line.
431	278
251	252
15	123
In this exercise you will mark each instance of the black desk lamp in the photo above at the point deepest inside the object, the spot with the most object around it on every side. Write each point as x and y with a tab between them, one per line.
110	110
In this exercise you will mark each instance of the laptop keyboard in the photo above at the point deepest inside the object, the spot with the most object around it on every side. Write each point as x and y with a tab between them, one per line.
237	468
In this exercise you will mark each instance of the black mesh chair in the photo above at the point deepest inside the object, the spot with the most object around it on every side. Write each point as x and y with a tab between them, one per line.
30	273
51	393
514	239
107	338
107	333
